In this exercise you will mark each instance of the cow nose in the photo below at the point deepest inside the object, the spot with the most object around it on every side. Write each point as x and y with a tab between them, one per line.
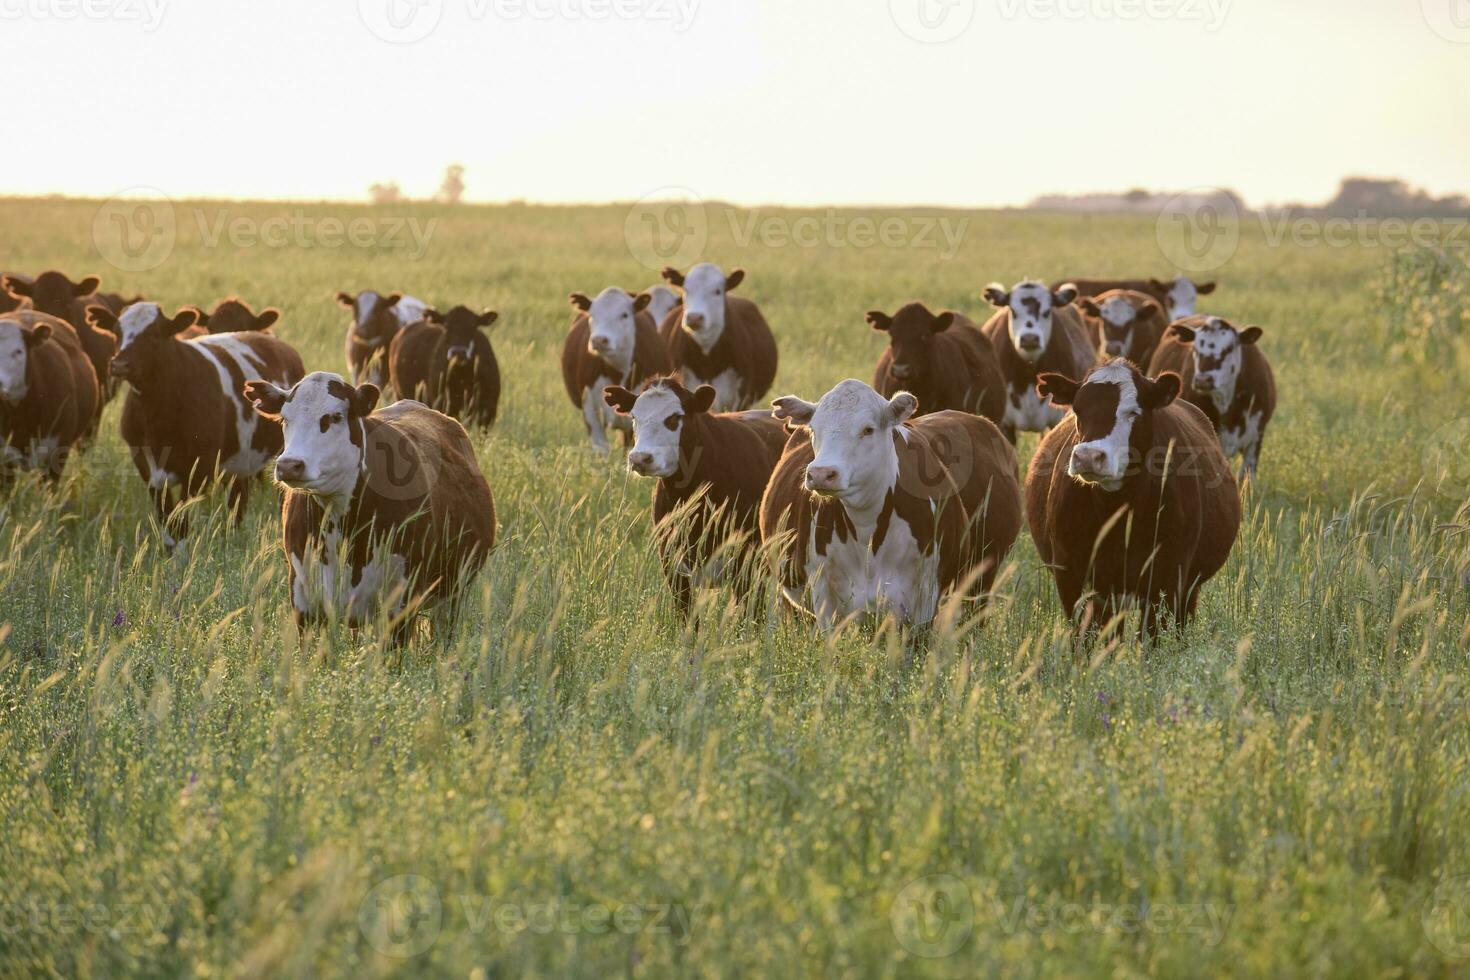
1030	341
821	477
695	320
118	368
288	468
638	462
1115	350
900	370
1087	459
1203	382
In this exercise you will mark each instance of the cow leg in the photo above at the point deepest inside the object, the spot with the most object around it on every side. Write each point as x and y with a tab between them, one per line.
592	415
1008	429
239	498
1249	457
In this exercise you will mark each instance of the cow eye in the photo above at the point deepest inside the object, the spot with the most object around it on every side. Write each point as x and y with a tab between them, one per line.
868	430
674	421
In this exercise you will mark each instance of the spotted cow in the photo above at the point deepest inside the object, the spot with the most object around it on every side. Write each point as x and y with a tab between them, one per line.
1035	330
1124	323
718	339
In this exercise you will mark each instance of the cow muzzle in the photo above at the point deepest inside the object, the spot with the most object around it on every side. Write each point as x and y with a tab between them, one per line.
1114	349
823	479
599	345
290	471
901	371
120	368
1203	382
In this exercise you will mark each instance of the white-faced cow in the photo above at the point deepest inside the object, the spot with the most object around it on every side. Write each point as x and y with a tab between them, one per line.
720	461
376	319
1178	296
943	361
882	515
661	302
1129	499
446	362
48	393
612	342
233	315
186	419
1227	377
718	339
385	512
1124	323
1035	330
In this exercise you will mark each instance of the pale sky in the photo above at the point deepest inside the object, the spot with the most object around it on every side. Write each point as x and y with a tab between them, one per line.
749	101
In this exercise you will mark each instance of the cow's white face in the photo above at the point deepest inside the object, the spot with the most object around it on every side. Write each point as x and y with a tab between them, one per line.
1117	315
14	356
704	304
322	419
658	422
852	439
1031	304
133	321
1106	407
1183	298
613	315
1217	359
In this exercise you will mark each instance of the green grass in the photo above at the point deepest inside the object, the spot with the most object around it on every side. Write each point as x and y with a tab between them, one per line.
1283	790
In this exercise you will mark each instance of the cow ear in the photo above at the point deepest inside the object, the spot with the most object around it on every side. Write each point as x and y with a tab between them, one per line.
1186	334
391	299
433	316
1089	306
200	317
1148	309
183	320
16	286
86	287
1250	335
102	318
701	401
879	320
1061	389
943	321
996	295
618	398
1160	285
1205	288
347	300
580	301
673	276
902	406
364	400
1064	294
267	398
267	318
37	335
734	279
486	318
1161	391
641	301
789	408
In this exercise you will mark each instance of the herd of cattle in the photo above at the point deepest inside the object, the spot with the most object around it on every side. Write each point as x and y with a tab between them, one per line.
875	499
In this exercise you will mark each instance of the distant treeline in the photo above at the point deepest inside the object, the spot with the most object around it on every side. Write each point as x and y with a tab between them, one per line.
1370	197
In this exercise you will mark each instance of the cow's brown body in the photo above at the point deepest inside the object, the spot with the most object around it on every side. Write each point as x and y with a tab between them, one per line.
232	315
951	368
457	374
60	406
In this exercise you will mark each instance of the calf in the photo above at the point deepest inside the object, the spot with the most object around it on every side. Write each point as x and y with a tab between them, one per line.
879	515
54	293
1124	323
234	316
446	362
718	339
944	361
186	419
1035	331
1225	376
1178	296
385	512
376	318
721	461
613	342
48	393
1129	498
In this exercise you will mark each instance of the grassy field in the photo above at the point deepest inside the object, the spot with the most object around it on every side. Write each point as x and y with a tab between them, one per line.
572	784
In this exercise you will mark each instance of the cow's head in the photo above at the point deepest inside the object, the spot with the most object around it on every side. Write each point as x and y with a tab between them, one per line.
51	292
659	413
374	319
704	300
1112	406
461	326
1217	353
143	332
16	343
322	417
233	316
613	321
853	430
1119	318
911	333
1032	304
1181	297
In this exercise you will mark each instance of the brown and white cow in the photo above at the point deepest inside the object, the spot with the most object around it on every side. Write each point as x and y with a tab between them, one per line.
233	315
882	515
385	512
53	292
661	302
376	318
612	342
48	393
718	339
446	362
186	419
721	461
944	361
1124	323
1178	296
1129	499
1035	330
1227	377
